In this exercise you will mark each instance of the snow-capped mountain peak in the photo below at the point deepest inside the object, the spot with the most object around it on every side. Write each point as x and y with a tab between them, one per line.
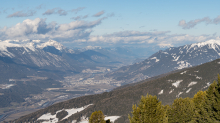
53	43
211	43
173	58
30	46
4	45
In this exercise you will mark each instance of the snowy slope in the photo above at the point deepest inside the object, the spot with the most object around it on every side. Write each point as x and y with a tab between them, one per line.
4	45
48	117
171	59
29	53
53	43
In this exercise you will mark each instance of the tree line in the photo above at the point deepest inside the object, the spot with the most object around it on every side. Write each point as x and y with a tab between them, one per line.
204	107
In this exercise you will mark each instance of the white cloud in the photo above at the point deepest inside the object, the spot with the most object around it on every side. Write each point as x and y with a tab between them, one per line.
193	23
99	14
80	32
22	14
76	18
79	17
78	25
162	39
217	20
59	11
165	44
50	11
77	9
39	29
27	27
62	12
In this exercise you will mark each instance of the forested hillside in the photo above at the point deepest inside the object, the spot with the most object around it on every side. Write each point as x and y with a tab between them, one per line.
180	84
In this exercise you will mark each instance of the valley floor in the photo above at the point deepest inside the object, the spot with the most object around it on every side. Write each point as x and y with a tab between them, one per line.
76	85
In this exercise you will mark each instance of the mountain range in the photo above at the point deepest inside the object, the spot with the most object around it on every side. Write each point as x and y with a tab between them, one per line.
167	87
33	64
174	58
27	65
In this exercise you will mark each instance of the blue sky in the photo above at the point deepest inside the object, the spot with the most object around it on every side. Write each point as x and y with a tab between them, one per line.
116	22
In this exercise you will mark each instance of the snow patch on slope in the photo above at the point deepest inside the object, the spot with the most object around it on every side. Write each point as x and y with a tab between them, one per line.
207	85
86	120
171	91
192	83
161	92
75	110
157	60
183	64
197	77
183	72
6	86
176	58
52	118
188	90
165	53
112	118
179	94
177	83
49	118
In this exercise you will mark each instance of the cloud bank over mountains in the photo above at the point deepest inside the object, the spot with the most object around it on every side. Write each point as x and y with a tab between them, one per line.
81	31
81	27
160	38
39	29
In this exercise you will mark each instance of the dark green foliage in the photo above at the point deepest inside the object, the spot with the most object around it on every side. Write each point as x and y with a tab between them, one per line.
61	115
97	117
181	110
212	102
200	114
149	110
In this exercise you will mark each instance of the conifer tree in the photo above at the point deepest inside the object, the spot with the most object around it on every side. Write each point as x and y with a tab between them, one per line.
212	102
181	111
200	114
149	110
97	117
165	116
